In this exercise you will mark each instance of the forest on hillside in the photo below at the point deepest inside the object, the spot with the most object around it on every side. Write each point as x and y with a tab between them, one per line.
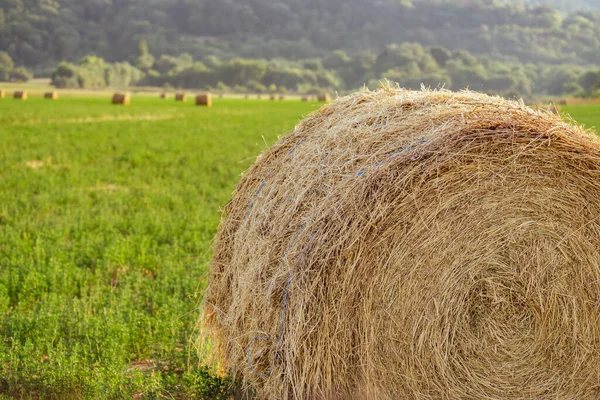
519	46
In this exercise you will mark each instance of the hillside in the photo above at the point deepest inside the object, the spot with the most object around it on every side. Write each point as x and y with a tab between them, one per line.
41	33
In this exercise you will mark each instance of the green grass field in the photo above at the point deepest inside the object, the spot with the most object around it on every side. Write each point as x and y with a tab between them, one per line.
106	219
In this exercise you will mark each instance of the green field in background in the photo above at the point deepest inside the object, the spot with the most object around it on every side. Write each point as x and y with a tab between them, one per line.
106	219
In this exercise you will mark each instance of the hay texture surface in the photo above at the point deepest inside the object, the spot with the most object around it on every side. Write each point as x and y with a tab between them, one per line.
414	245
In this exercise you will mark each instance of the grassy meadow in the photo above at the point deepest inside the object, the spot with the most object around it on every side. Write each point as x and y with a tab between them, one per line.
106	219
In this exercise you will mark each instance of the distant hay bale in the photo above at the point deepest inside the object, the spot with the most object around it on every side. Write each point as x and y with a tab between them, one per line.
272	97
323	97
180	97
414	245
21	95
2	94
304	98
164	96
281	97
204	99
51	95
121	98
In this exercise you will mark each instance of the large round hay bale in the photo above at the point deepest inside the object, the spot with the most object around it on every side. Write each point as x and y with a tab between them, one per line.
180	97
20	95
414	245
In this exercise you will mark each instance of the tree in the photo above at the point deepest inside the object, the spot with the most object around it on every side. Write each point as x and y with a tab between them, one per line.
144	60
6	66
20	74
589	81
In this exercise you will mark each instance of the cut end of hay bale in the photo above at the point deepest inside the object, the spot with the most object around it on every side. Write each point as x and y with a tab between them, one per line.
51	95
2	94
204	99
121	98
21	95
180	97
414	245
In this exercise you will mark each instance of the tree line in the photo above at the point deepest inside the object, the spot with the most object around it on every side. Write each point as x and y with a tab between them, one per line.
410	64
500	46
41	33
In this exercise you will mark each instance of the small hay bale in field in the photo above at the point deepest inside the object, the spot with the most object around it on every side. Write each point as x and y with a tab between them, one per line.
272	97
324	97
21	95
180	97
121	98
281	97
414	245
51	95
164	96
204	99
2	94
304	99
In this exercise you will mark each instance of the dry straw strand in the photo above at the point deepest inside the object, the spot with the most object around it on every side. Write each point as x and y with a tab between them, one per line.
414	245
